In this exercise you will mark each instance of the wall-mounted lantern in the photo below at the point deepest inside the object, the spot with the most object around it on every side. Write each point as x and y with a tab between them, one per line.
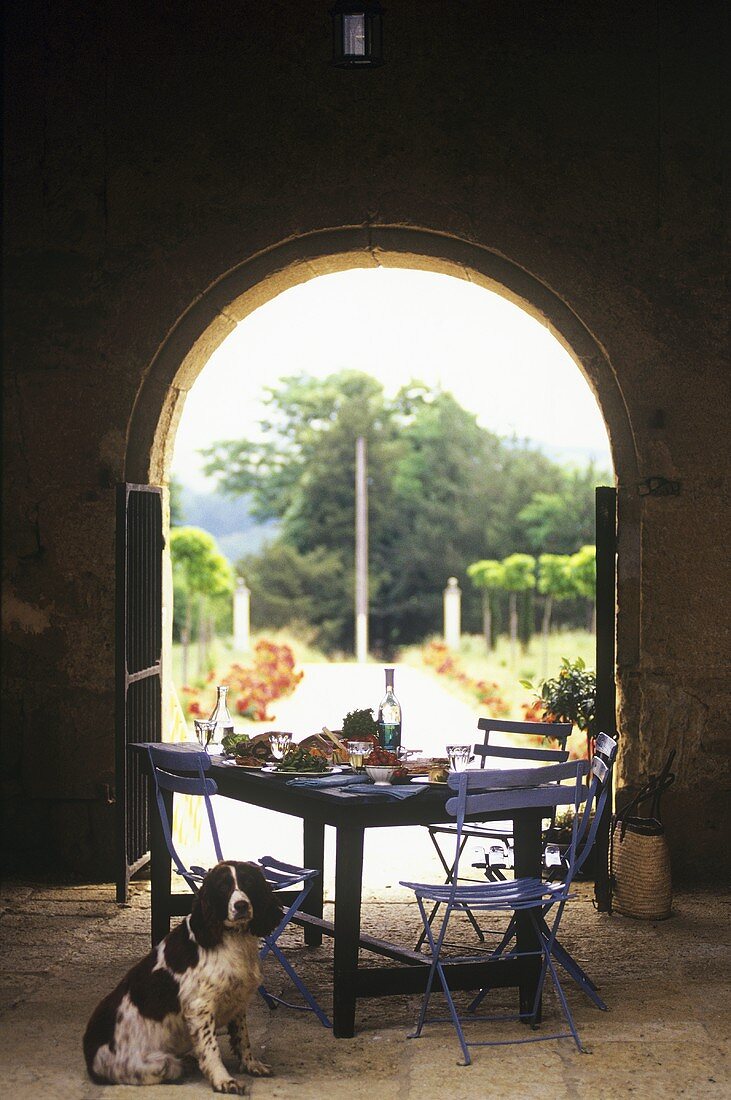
357	33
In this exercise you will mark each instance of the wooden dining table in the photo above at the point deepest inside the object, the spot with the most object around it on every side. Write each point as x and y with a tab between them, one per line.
350	814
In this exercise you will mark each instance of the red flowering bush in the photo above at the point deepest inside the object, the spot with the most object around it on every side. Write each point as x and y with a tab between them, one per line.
252	689
437	656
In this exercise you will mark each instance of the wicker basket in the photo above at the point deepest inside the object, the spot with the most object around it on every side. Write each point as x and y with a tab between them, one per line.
642	886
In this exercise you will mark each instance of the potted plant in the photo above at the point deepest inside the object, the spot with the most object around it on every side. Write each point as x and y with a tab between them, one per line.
570	697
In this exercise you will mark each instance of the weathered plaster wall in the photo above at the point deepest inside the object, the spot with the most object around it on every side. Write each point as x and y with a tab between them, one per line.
153	149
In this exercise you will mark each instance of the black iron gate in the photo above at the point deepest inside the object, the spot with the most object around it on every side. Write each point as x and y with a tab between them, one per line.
606	698
138	666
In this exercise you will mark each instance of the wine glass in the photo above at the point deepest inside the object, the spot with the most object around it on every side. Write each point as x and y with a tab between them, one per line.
280	743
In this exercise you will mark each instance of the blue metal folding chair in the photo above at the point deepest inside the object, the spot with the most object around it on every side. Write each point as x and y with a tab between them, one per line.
166	761
498	834
507	791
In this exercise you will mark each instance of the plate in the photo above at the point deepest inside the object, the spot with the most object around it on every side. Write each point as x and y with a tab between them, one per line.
301	775
427	780
250	767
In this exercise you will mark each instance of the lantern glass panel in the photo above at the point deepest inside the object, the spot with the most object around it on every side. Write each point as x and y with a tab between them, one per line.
354	35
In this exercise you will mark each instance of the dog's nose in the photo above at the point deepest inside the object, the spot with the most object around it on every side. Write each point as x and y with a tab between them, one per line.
241	907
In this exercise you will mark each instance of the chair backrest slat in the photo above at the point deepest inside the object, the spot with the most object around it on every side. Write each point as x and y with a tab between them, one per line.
512	752
186	784
520	798
556	731
499	778
180	756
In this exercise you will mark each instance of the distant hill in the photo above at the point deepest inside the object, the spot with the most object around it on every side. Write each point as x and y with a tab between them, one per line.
228	520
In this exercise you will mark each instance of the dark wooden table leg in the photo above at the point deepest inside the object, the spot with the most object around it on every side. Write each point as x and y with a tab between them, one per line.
314	858
159	870
528	850
348	888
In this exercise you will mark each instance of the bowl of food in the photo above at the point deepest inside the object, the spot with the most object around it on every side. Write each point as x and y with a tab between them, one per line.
381	776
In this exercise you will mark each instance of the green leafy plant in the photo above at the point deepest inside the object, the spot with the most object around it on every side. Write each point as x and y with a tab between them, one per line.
569	697
359	723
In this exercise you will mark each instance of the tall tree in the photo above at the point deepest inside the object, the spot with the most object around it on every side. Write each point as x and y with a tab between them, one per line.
583	573
555	583
518	577
487	575
558	520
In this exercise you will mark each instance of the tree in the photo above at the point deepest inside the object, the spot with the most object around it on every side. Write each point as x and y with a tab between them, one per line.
303	591
487	575
583	573
555	583
556	520
201	574
518	577
443	492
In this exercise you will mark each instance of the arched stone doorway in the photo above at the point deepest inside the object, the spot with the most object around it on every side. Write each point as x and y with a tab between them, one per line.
220	307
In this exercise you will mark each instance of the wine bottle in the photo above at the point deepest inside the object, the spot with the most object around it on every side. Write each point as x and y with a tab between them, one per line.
389	717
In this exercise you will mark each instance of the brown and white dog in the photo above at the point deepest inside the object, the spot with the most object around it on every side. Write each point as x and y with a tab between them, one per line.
200	977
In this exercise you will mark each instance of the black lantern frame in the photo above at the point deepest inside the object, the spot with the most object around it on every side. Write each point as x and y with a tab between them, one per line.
357	33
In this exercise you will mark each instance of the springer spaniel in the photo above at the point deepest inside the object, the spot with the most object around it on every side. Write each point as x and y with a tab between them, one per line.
201	976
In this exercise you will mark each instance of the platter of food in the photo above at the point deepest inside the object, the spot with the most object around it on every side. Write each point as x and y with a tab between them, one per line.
293	774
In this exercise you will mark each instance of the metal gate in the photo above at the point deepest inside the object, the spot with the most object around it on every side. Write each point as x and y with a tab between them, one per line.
138	666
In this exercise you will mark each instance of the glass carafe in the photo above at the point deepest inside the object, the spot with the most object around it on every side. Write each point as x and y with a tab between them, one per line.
224	724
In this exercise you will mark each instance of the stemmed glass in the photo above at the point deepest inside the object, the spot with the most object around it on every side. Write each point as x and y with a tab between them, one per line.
280	743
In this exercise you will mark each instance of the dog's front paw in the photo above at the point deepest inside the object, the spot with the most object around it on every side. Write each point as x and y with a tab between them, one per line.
231	1086
254	1067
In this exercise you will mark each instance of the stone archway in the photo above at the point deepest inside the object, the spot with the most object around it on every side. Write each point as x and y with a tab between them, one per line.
220	307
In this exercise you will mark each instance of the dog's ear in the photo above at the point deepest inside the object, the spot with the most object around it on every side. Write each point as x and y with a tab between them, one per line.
267	910
210	907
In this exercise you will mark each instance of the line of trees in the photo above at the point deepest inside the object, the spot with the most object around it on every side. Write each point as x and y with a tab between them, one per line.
557	577
442	492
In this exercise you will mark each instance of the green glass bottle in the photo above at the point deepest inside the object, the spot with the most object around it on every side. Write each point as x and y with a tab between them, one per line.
389	717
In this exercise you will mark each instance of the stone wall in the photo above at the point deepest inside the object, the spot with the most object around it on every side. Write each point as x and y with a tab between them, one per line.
158	155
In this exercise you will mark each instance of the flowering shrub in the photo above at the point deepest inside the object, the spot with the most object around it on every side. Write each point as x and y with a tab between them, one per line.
252	689
437	656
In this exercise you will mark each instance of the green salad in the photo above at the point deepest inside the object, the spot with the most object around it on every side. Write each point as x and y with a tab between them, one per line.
303	760
233	741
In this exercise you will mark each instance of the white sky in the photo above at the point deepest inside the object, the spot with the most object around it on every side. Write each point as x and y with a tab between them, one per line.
398	325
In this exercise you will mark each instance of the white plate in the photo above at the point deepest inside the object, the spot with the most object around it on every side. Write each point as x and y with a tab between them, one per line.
301	775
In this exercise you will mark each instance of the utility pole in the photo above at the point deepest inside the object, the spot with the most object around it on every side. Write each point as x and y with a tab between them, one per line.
361	551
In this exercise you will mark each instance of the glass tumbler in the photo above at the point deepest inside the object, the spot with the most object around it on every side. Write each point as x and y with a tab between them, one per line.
280	743
459	757
204	731
358	751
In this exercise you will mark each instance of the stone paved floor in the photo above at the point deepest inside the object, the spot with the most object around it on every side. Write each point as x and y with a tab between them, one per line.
666	1034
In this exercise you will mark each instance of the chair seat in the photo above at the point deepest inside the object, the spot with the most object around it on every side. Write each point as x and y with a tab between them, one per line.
523	893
